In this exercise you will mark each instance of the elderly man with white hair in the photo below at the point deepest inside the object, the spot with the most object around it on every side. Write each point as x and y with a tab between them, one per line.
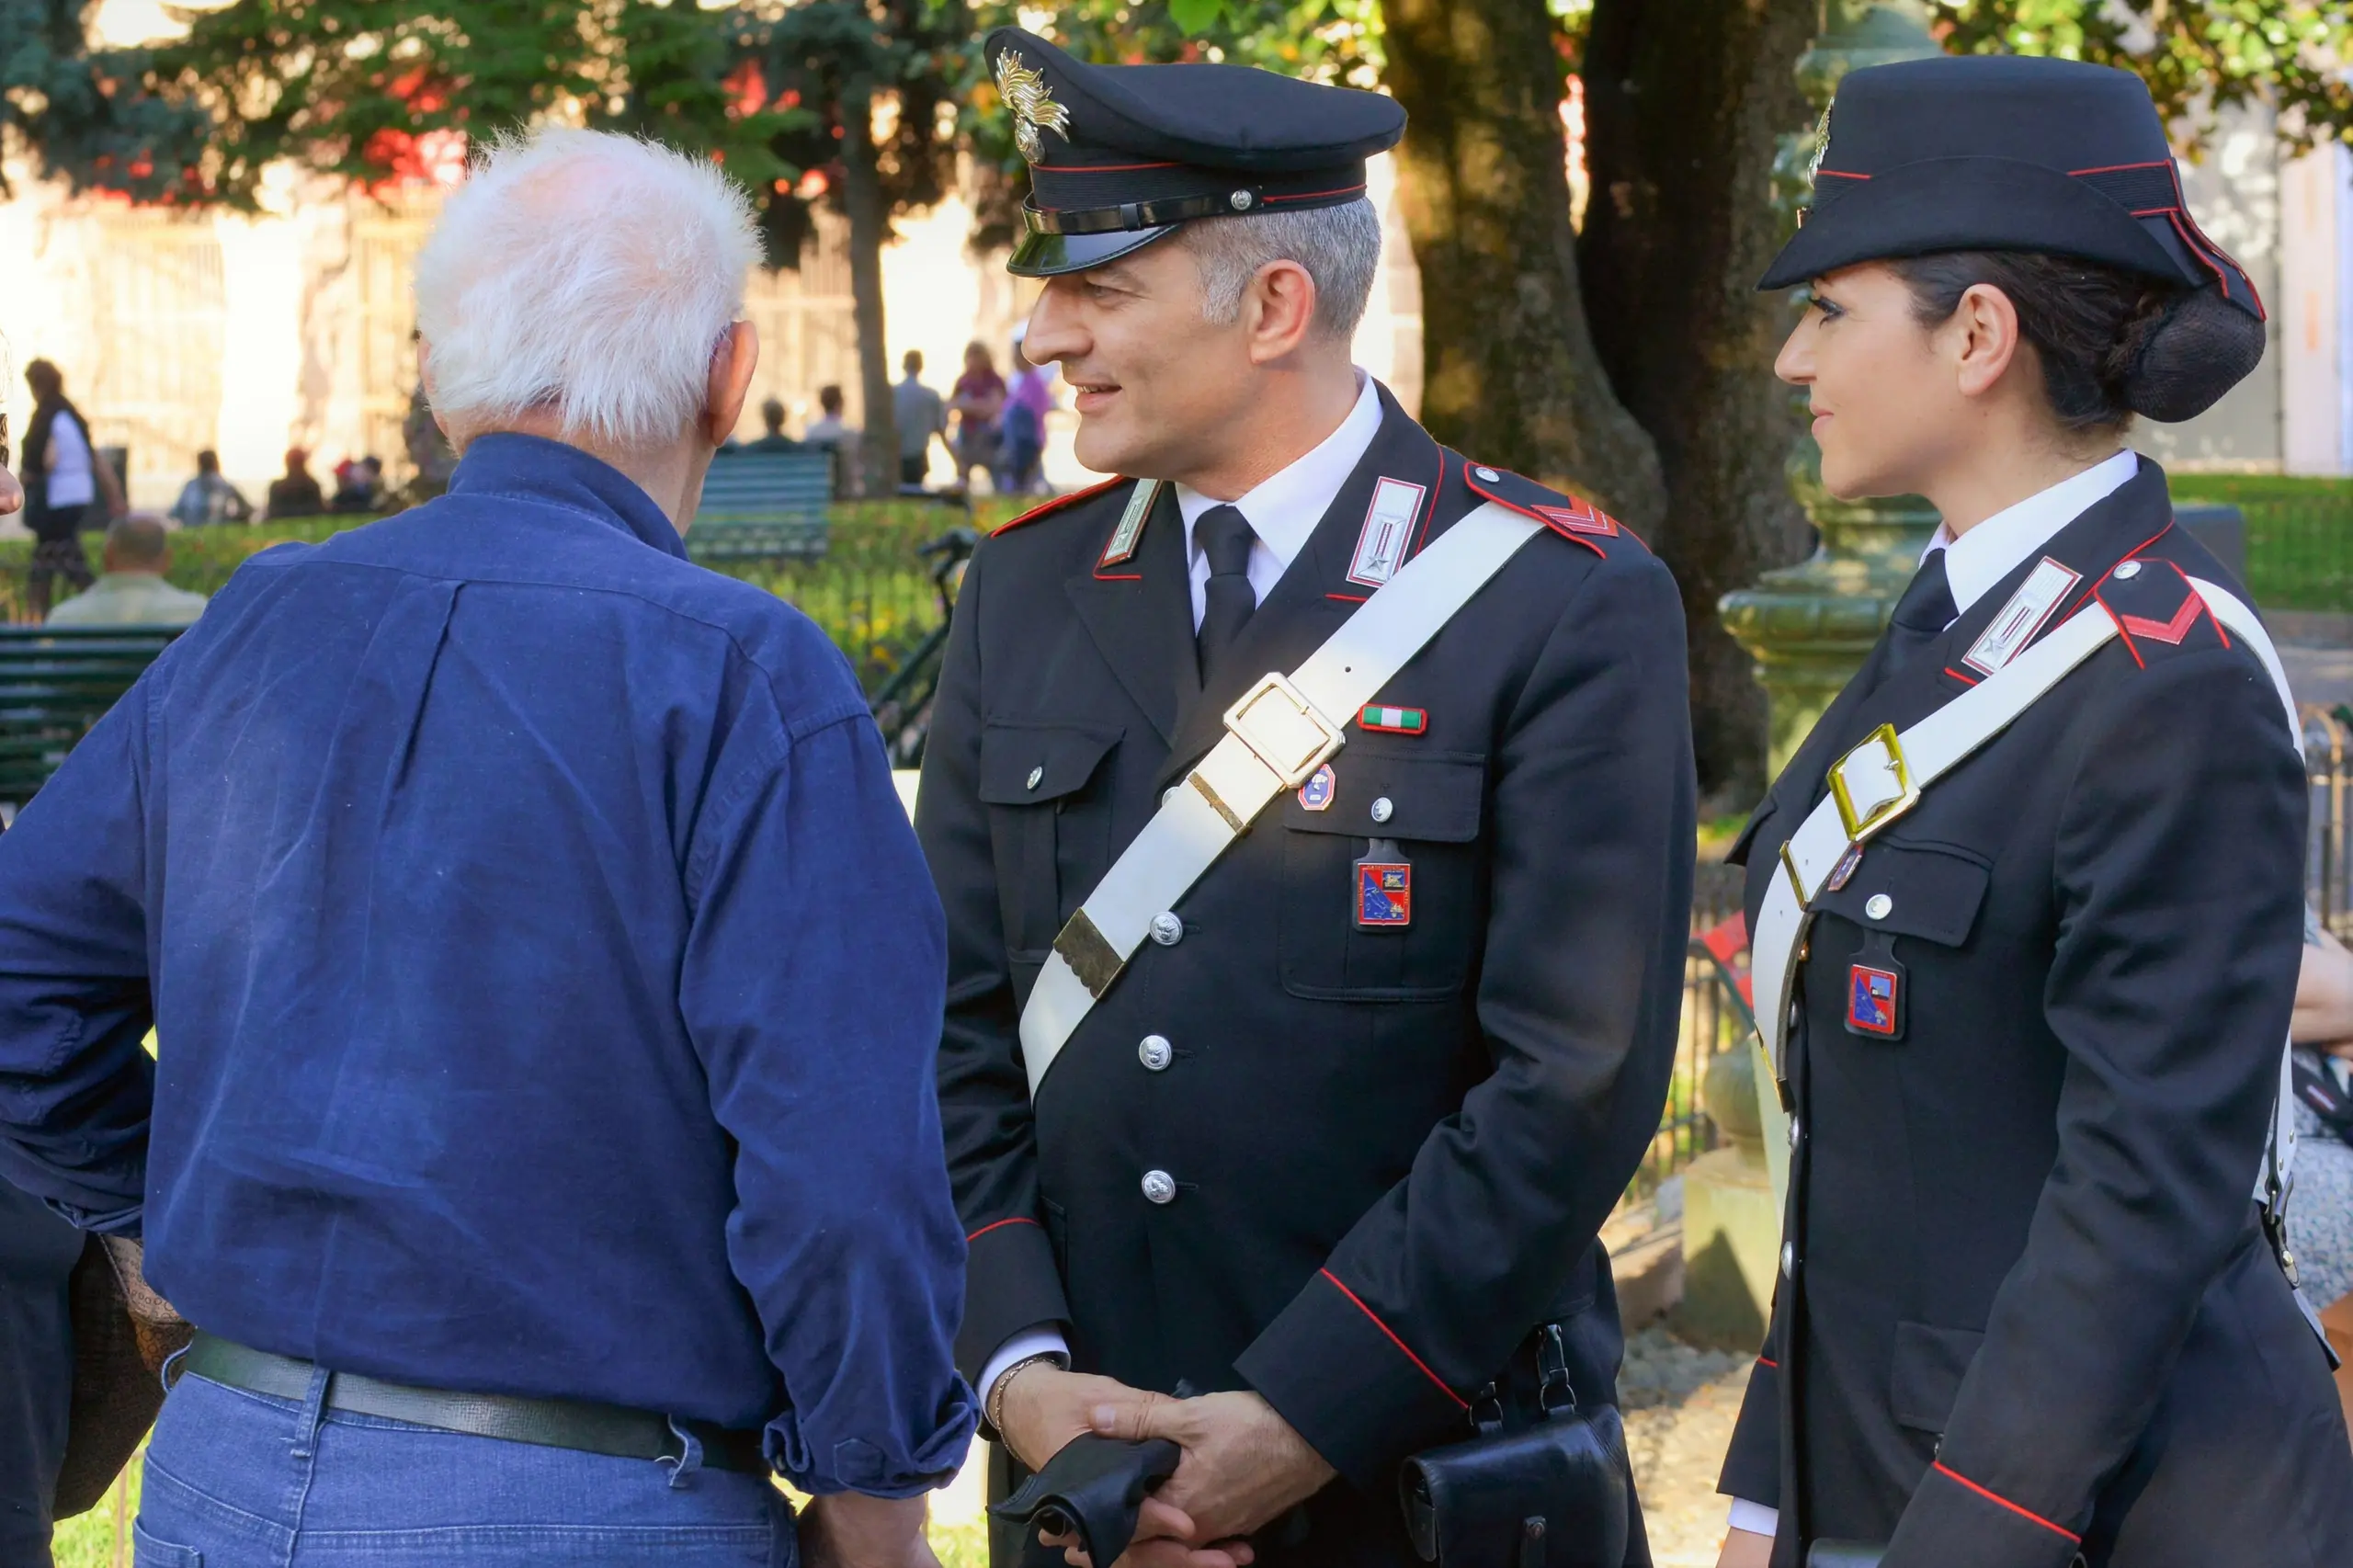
543	1137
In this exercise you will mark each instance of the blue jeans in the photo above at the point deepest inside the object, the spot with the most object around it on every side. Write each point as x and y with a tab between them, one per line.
236	1480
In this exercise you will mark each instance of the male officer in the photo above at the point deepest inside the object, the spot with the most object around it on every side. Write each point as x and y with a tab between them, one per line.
1339	1135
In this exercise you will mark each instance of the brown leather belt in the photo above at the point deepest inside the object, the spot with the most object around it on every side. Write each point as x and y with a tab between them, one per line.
551	1423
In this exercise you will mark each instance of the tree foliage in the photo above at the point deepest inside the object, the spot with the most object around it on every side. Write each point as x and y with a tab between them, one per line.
81	112
2196	55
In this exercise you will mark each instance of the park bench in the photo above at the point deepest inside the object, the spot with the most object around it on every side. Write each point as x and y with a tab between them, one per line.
764	506
56	682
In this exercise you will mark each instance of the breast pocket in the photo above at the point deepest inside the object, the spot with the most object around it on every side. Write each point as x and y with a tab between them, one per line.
1423	903
1929	890
1050	824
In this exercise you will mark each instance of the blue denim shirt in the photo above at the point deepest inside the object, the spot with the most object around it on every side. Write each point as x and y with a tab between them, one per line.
546	982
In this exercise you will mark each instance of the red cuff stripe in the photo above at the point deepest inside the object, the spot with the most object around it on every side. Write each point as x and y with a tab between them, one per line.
2005	1501
1460	1402
985	1229
1769	1363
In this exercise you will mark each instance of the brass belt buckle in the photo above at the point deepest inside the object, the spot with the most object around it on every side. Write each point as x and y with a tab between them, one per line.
1872	785
1283	729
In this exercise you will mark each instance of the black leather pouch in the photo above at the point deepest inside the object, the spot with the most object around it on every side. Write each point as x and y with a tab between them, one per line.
1092	1489
1844	1554
1547	1491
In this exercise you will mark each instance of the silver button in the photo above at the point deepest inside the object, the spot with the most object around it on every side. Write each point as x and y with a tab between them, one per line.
1488	474
1168	796
1155	1052
1166	929
1794	1132
1789	1249
1037	776
1879	906
1239	201
2128	569
1383	810
1159	1187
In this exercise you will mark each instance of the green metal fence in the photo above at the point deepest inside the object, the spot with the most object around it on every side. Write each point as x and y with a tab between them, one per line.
2299	535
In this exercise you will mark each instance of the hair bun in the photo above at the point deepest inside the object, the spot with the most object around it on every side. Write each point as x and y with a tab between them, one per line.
2188	355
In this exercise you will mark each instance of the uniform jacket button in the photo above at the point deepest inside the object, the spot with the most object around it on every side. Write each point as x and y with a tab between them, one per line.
1794	1134
1879	906
1159	1187
1166	929
1155	1052
1384	809
2129	570
1037	776
1487	475
1789	1249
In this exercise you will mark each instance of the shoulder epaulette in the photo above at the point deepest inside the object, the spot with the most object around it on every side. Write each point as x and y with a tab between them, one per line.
1060	502
2156	606
1571	516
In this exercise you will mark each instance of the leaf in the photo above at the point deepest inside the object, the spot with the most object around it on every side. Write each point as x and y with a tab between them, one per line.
1196	15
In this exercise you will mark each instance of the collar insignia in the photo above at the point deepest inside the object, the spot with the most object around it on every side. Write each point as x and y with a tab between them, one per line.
1034	109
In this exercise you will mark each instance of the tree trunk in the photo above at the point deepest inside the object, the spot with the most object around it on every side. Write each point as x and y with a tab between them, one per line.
1685	100
1510	375
869	225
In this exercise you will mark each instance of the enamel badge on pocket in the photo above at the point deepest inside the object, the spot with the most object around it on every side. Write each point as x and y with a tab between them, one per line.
1875	990
1384	888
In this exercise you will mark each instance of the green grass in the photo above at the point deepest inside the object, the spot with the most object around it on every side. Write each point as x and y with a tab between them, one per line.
2299	535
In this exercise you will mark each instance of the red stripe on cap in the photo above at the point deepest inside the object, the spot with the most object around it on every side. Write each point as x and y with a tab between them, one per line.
2005	1501
1838	174
1460	1402
985	1229
2120	168
1104	168
1312	195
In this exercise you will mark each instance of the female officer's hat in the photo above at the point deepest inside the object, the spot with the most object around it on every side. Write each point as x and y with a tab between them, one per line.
2054	156
1121	154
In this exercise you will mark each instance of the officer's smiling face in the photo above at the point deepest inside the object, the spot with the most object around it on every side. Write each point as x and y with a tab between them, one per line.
1889	409
1157	386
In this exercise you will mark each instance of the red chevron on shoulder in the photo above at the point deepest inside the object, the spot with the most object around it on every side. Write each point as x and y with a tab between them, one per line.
1579	516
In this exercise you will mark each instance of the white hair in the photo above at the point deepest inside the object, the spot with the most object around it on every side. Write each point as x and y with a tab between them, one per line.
585	273
1339	246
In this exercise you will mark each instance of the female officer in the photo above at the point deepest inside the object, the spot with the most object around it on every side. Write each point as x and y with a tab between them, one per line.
2027	975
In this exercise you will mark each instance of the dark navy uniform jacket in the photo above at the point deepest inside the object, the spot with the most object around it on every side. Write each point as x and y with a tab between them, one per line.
1392	1147
545	978
2028	1312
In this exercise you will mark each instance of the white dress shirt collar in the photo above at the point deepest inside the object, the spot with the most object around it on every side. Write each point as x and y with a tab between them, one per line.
1284	508
1991	551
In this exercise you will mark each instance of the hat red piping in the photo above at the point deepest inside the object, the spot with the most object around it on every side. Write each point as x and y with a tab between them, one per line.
1312	195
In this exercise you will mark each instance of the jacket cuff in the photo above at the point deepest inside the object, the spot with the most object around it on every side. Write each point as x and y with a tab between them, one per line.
1753	1461
1954	1522
1350	1386
1010	1284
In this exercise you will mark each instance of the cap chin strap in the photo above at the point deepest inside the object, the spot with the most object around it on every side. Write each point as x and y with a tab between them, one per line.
1282	730
1884	777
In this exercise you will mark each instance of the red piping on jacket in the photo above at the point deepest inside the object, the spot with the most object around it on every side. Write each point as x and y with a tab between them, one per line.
2005	1501
1460	1402
998	1225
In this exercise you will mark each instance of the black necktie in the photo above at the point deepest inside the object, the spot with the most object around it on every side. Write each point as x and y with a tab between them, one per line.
1921	614
1225	535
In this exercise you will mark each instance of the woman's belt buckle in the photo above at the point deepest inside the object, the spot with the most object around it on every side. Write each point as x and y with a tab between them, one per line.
1873	785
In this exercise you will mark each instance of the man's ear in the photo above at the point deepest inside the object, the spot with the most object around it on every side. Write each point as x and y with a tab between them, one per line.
1279	311
1987	324
432	404
732	364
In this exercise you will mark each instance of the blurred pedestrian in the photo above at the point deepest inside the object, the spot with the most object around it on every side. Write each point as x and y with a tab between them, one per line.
295	494
1027	399
208	497
921	418
543	1142
978	401
2320	1220
839	440
132	592
775	441
65	484
358	485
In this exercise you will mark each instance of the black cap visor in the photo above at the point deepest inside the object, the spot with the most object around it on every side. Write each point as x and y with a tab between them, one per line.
1954	204
1041	255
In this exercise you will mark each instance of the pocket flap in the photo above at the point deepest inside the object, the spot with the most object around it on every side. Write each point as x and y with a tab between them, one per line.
1932	890
1025	764
1433	796
1924	1376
